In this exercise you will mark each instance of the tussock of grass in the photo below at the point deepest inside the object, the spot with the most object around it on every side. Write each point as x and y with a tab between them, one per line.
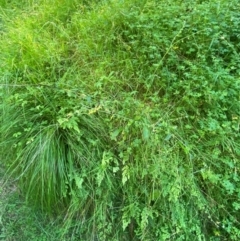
123	117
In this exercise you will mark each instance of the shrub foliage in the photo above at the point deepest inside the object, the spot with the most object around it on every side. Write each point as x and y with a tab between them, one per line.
123	116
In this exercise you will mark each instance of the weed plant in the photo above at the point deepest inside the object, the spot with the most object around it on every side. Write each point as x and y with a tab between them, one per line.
122	117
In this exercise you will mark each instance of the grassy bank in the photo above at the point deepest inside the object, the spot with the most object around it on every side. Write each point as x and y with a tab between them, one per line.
122	117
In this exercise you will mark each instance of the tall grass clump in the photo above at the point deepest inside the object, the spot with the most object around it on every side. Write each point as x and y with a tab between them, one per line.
123	116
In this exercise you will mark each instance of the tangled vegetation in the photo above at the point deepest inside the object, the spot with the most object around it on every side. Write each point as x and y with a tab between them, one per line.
122	117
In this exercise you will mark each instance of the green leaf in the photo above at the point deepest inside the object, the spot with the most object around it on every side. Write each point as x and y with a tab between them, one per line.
145	133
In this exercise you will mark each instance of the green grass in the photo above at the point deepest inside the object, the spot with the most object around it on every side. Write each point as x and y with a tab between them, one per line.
120	119
19	221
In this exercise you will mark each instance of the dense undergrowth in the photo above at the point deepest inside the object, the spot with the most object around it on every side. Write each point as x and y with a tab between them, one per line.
122	117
